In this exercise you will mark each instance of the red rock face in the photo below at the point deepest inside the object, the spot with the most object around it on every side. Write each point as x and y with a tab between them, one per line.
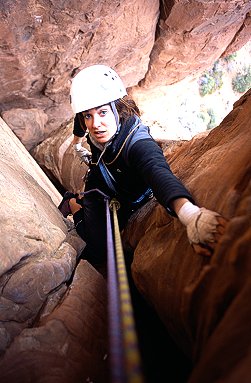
204	302
192	35
53	308
43	46
63	346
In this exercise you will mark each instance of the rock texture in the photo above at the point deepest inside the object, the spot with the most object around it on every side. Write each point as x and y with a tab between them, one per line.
43	44
27	124
68	344
204	302
192	35
59	160
14	154
52	307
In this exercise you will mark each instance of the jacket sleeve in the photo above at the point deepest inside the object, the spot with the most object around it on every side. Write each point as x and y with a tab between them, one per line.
148	159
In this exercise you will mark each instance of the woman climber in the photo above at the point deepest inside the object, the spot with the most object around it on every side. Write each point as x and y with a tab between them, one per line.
125	162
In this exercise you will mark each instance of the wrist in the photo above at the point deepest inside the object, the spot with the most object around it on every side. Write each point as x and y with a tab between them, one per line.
187	212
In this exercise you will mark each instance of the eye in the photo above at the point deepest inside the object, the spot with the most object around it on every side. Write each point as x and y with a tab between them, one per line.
103	112
87	116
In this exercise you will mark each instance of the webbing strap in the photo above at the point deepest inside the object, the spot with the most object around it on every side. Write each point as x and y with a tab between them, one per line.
120	150
132	362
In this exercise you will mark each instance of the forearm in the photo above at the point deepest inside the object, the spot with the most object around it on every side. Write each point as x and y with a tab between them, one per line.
77	140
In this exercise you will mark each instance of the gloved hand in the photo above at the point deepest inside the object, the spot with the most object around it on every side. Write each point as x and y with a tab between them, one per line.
84	154
204	227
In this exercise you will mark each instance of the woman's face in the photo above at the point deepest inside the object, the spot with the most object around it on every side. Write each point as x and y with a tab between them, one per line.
100	123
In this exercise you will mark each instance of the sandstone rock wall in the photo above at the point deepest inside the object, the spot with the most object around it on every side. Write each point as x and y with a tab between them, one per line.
68	343
52	307
45	44
48	298
58	158
204	302
192	35
13	152
148	42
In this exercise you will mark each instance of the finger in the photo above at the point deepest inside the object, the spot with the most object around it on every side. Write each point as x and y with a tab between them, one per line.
217	237
221	228
222	221
202	249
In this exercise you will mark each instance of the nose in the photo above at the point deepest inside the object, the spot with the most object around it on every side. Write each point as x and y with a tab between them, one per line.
96	122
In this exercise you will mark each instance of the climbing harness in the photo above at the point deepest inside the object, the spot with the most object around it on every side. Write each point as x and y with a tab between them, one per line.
109	179
125	361
112	185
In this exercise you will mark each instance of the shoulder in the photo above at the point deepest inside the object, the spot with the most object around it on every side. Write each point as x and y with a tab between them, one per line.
139	139
140	132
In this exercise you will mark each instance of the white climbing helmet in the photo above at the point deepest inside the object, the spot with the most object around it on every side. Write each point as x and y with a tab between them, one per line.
94	86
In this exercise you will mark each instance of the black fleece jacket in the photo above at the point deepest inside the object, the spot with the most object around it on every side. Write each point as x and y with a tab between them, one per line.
136	163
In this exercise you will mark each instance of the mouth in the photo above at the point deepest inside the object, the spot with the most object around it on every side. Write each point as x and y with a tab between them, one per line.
99	133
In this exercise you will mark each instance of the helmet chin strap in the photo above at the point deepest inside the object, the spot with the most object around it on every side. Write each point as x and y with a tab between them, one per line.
115	112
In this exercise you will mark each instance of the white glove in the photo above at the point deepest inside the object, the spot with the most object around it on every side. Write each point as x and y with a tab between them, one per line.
82	153
201	224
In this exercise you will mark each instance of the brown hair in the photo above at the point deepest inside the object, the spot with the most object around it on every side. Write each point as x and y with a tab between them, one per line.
126	107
